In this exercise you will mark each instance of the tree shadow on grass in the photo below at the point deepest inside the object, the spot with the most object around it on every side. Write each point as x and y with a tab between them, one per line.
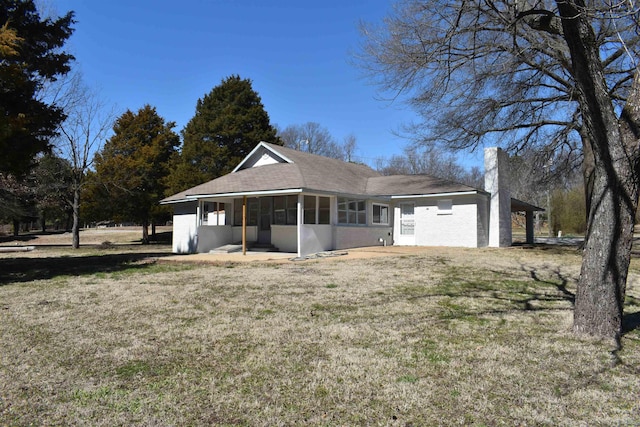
25	269
510	289
559	281
553	292
27	237
630	321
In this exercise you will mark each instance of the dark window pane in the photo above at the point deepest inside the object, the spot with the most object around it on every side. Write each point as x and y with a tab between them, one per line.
324	210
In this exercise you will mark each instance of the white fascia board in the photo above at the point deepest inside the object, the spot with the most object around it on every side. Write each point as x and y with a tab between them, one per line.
173	202
247	193
427	196
377	199
262	144
329	193
358	196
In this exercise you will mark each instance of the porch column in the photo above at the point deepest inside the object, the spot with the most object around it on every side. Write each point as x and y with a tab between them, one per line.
299	217
199	213
244	225
529	226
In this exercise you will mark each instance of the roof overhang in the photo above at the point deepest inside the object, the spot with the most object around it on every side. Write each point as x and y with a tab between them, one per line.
438	195
195	197
174	202
520	206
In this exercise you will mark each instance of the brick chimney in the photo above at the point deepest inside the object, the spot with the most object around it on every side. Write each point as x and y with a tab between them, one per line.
496	183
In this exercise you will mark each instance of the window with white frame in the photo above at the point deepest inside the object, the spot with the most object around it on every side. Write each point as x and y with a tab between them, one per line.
445	207
380	214
352	211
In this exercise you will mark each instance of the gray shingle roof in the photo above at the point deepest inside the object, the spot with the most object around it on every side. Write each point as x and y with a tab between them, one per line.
281	176
325	174
311	172
401	185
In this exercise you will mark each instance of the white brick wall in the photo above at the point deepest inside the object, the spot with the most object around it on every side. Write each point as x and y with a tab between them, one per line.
432	228
185	234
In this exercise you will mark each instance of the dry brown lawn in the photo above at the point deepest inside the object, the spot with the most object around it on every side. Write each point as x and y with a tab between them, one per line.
115	336
88	237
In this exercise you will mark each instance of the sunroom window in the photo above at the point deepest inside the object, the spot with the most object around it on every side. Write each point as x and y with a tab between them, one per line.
285	210
317	210
324	210
352	211
252	211
309	209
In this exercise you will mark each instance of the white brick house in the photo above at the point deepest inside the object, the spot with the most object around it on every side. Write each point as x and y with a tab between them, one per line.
304	203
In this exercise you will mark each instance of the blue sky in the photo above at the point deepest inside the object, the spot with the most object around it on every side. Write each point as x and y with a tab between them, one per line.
298	54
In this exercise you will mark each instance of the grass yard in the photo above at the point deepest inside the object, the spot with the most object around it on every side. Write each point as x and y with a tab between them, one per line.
446	337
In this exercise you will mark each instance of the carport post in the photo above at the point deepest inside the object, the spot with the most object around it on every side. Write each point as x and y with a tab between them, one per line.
529	226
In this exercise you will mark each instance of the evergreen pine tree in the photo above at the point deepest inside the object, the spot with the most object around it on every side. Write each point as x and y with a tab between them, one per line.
31	56
134	163
228	123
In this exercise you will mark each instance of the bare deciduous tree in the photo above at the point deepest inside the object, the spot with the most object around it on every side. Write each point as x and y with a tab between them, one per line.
349	147
556	76
81	135
431	161
312	138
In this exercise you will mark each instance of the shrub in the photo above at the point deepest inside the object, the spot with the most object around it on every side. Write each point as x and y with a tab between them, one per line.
568	211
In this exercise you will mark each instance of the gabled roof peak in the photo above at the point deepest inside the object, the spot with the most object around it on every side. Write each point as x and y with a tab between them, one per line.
263	153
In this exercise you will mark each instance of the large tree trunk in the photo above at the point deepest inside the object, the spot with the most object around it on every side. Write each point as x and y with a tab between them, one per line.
607	250
614	198
145	232
75	228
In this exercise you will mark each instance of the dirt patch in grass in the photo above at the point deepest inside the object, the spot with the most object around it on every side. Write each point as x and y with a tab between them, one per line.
88	237
54	257
442	337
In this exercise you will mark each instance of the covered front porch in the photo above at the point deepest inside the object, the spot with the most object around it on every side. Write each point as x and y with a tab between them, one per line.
288	221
